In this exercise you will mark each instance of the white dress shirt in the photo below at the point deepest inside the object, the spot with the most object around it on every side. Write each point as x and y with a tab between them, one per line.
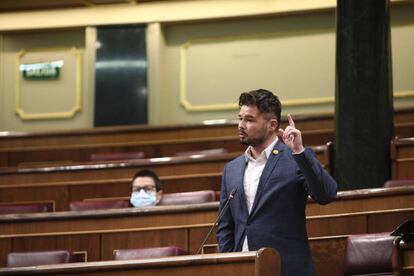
252	175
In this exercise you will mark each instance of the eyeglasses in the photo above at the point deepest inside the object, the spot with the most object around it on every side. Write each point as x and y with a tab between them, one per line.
147	188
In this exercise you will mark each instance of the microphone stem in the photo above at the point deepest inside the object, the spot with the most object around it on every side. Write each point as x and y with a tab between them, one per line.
215	223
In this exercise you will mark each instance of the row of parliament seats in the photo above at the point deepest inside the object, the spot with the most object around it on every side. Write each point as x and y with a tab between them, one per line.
31	192
215	210
152	141
64	184
366	254
26	207
402	151
99	233
27	149
402	162
369	254
106	199
194	197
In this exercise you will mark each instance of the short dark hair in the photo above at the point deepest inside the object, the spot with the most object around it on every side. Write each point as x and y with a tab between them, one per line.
149	173
264	100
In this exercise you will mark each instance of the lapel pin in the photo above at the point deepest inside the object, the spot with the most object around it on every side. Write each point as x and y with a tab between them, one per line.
275	152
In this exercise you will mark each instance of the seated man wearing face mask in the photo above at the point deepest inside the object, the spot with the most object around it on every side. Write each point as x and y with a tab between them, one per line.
146	189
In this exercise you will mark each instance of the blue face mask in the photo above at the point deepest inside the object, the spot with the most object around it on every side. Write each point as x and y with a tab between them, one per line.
142	198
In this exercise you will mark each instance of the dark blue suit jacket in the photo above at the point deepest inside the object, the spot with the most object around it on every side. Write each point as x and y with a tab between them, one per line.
277	218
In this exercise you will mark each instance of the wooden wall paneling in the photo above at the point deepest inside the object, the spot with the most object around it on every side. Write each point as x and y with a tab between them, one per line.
142	239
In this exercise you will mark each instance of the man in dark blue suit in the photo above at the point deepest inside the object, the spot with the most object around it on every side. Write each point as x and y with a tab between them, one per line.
272	181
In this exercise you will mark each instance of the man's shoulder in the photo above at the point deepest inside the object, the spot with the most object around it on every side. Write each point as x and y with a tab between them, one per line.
238	161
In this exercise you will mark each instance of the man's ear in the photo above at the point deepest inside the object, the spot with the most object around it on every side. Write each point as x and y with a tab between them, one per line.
273	124
158	196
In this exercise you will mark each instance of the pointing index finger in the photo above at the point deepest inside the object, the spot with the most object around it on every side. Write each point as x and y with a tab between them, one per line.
291	122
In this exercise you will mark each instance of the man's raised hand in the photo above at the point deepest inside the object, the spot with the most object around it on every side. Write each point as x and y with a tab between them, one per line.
292	137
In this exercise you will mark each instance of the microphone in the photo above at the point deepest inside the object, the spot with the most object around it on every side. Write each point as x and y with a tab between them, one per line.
231	196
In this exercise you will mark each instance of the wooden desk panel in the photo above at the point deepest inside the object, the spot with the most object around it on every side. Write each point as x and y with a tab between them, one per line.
112	219
264	262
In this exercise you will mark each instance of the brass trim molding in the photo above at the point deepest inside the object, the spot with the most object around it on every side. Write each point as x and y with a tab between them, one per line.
404	94
49	115
190	107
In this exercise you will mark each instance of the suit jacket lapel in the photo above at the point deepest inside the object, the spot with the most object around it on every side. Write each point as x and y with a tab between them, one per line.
267	171
240	190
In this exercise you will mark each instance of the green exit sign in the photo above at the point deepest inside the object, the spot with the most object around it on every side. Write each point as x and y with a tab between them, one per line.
42	71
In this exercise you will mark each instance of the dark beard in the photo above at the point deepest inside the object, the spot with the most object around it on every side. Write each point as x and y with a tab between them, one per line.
252	142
